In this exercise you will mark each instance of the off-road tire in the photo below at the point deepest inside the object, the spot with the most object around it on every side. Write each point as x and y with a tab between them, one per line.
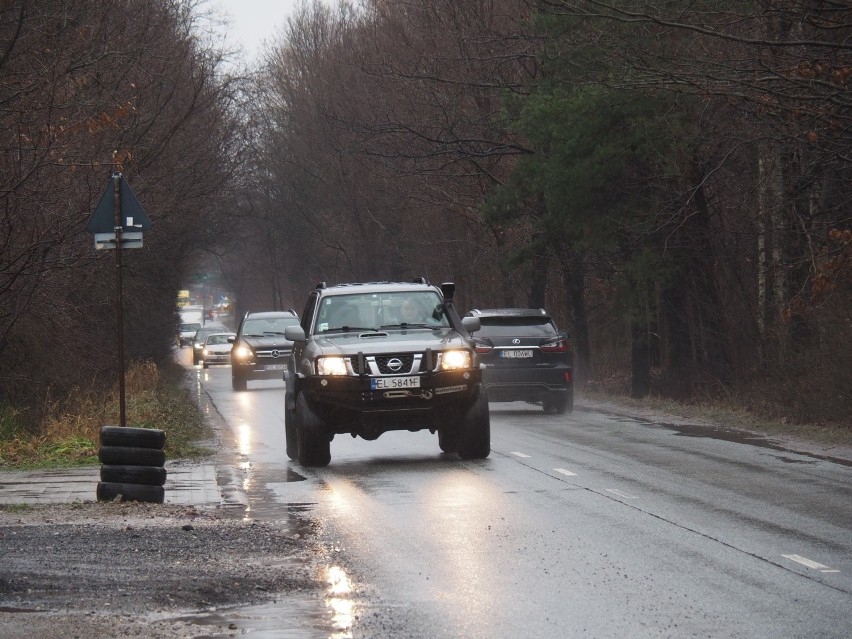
238	383
314	446
475	436
148	475
291	436
109	491
131	456
131	436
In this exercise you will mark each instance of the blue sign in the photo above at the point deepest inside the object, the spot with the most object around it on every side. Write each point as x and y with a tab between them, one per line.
133	218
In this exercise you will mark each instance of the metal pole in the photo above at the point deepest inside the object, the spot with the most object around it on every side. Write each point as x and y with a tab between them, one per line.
116	178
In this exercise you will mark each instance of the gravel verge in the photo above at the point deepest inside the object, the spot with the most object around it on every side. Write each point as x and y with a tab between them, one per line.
137	570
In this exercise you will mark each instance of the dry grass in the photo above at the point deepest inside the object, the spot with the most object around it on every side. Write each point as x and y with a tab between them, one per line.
69	433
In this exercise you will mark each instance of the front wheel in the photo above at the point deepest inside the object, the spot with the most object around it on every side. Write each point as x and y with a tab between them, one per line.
475	437
291	436
314	446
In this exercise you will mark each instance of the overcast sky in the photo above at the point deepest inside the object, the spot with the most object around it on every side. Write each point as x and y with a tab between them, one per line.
253	21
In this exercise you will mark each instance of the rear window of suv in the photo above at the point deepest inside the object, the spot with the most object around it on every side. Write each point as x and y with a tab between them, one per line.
514	326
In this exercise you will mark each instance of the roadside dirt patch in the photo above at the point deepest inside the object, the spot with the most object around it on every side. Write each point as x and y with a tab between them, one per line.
133	569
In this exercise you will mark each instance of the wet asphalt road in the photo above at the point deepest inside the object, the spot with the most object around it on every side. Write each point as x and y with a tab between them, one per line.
588	525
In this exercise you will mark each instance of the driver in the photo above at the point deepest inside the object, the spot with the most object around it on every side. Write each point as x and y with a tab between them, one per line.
411	312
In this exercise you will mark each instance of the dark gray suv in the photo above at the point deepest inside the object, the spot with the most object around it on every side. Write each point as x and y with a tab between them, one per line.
369	358
524	357
260	349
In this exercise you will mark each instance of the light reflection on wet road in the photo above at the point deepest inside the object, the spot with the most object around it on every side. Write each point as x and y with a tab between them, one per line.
602	526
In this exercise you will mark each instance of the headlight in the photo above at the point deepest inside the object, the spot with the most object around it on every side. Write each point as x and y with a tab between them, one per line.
331	366
242	352
453	360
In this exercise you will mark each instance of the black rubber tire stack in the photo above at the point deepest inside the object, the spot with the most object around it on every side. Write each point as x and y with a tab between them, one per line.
132	461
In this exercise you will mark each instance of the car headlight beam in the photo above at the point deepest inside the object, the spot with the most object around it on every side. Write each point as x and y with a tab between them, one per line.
455	360
243	352
331	366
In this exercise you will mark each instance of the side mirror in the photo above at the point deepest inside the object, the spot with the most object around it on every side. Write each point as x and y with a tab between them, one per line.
294	333
232	339
471	324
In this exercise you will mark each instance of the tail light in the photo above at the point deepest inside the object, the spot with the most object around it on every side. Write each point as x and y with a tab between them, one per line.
482	347
555	346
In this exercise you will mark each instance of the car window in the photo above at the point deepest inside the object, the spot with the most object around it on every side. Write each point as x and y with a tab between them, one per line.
268	326
374	311
516	327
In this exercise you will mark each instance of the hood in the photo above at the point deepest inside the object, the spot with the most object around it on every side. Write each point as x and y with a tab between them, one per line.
413	341
268	341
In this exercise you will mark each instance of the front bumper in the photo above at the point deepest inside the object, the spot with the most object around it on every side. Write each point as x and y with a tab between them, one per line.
261	368
349	404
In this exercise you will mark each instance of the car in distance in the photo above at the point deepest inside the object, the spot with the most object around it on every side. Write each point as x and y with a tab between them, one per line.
187	332
260	349
369	358
524	357
216	349
198	342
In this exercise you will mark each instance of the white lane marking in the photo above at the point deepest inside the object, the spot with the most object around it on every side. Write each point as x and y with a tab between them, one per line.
518	454
621	493
565	472
810	563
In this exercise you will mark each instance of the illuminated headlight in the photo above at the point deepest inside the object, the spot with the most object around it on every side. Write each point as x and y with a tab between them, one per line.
454	360
242	352
331	366
197	345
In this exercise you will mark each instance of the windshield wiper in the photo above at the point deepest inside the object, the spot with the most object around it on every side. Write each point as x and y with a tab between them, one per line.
408	325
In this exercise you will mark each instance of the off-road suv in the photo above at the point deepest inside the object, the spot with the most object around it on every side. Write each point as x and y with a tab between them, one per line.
369	358
260	348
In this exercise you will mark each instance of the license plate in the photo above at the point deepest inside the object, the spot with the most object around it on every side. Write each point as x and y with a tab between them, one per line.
515	354
379	383
274	367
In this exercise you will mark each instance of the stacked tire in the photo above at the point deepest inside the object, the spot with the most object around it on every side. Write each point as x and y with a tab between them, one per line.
132	464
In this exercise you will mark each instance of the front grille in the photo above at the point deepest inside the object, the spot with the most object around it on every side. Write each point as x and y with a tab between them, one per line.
378	364
382	363
273	353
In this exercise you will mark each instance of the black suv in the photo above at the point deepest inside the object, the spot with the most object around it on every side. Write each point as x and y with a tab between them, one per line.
369	358
524	357
260	349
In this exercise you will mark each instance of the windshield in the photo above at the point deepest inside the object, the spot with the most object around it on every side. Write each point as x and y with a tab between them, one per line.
381	311
268	326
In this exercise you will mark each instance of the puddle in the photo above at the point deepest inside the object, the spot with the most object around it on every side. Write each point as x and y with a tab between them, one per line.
731	435
292	618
